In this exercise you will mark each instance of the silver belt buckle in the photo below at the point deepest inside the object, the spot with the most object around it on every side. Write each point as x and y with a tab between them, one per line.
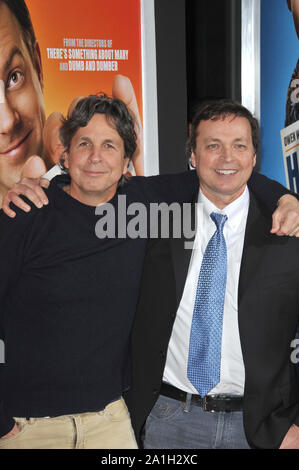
204	403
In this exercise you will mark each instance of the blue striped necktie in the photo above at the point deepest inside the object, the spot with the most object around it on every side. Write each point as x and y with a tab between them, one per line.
206	331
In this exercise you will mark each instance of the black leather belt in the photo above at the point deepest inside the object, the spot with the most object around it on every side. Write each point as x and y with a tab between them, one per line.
212	403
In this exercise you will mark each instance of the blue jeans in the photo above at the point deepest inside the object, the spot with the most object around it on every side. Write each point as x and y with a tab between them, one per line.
173	424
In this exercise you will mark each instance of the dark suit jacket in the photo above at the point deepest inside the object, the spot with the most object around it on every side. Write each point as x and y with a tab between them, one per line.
268	319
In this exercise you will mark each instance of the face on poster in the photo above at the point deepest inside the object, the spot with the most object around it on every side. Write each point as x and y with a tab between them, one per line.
292	104
83	47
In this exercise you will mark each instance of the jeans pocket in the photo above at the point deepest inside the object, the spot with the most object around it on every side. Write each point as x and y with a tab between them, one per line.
166	408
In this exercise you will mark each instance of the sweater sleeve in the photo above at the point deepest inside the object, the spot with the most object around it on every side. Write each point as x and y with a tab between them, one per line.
183	187
180	187
12	236
267	190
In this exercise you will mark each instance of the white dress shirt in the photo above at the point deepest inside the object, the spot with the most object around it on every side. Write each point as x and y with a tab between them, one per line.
232	374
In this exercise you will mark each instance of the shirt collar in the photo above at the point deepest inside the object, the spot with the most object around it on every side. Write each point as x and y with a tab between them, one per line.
236	211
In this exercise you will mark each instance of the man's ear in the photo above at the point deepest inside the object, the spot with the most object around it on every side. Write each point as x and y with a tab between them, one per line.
193	159
254	160
38	64
65	157
126	164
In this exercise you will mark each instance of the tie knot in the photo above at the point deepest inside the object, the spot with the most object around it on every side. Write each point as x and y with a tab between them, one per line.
219	219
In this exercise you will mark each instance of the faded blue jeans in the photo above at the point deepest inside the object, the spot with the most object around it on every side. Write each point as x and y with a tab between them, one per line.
176	425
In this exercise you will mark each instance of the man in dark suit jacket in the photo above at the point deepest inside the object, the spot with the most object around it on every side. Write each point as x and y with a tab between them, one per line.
256	402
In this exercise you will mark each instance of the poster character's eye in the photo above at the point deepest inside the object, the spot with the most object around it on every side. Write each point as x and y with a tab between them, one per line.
15	79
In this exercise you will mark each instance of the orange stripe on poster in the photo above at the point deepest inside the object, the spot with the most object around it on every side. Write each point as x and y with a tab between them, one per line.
292	148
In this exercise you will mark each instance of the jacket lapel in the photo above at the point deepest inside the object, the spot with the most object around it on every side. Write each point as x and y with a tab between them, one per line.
257	232
181	256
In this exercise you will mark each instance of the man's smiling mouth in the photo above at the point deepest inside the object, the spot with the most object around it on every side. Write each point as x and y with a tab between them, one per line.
226	172
15	147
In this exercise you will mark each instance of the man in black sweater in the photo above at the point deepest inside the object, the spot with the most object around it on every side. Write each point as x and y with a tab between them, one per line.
67	298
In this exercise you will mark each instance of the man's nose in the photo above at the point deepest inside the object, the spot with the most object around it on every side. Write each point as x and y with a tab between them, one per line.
95	155
8	116
227	153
